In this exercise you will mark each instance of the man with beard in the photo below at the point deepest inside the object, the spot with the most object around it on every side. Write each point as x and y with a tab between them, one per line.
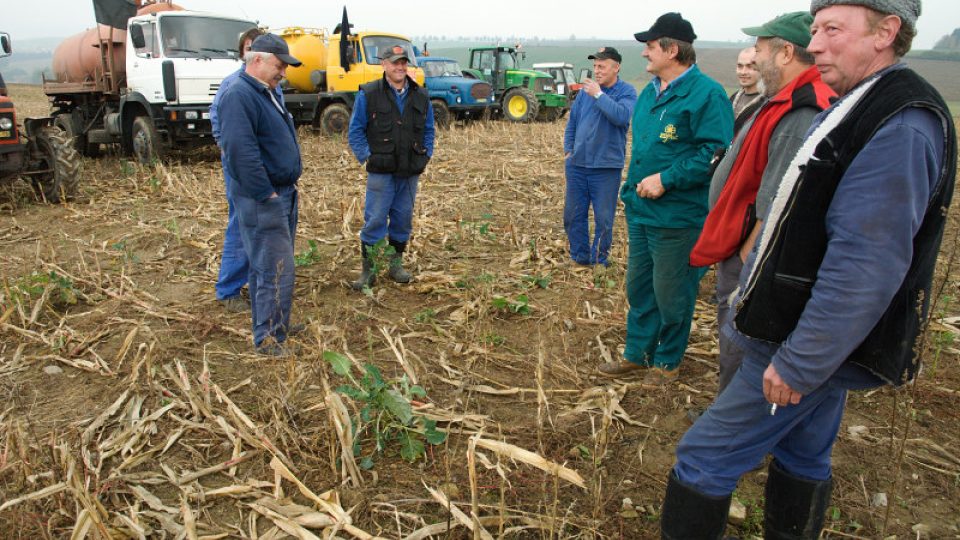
836	295
744	183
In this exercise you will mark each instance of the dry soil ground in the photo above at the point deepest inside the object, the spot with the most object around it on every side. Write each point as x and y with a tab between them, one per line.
133	407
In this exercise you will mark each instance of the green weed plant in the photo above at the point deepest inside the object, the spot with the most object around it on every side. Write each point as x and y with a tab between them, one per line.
385	415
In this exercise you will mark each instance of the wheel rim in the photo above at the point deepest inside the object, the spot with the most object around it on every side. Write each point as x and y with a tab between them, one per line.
517	106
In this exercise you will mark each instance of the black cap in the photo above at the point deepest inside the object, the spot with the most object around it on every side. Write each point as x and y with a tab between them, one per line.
395	53
670	25
605	53
273	44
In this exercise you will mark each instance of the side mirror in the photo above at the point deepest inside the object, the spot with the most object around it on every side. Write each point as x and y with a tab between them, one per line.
136	37
5	48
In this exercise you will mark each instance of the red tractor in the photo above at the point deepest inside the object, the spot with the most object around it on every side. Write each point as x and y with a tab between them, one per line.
38	151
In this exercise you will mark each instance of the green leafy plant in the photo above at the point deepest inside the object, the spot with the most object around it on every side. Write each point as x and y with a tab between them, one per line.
538	280
385	412
308	257
519	305
33	285
425	315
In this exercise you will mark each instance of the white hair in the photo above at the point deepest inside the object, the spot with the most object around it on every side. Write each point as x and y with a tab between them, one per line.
250	55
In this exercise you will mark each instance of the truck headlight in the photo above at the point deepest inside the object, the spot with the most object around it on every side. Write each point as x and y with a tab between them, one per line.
190	115
6	123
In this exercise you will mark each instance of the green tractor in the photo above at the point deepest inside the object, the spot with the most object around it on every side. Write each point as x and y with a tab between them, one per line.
524	95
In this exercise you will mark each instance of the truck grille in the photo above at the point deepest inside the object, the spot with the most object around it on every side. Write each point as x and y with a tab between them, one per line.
481	91
213	89
543	84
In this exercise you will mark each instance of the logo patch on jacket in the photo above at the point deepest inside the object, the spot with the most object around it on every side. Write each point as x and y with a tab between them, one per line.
669	133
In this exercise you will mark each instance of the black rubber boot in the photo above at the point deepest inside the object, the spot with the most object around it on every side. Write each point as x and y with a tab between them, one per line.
367	277
396	272
688	514
795	508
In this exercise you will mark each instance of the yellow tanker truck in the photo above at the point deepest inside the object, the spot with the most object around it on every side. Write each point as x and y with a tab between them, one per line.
321	91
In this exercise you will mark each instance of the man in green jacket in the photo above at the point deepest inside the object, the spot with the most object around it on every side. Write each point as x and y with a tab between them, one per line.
681	118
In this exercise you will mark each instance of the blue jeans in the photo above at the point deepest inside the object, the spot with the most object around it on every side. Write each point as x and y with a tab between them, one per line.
267	230
737	431
585	187
728	277
388	208
661	290
234	267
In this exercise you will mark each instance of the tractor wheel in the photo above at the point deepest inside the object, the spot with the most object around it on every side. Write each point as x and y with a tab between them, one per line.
520	105
441	114
145	141
64	121
60	159
335	120
549	114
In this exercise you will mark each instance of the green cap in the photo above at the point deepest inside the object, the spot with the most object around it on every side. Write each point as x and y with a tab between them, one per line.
793	27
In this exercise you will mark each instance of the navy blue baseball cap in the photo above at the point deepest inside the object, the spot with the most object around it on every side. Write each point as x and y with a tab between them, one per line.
275	45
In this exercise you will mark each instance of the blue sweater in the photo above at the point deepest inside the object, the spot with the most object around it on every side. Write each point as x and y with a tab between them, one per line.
215	105
357	135
596	133
875	213
259	140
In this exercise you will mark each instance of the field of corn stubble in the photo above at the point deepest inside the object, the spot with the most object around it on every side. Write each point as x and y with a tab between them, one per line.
463	405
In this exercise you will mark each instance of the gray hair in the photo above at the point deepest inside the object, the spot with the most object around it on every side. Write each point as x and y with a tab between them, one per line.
801	53
249	57
686	55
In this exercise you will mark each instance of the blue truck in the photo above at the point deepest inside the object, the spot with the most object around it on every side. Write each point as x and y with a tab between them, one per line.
454	96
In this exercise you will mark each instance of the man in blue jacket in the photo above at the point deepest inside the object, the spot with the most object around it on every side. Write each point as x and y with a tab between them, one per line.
836	293
259	141
594	146
392	132
234	267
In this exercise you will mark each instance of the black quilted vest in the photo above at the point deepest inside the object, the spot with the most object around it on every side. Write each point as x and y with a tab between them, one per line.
395	138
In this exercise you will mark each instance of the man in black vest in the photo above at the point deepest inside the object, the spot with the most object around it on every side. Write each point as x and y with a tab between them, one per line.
392	131
835	295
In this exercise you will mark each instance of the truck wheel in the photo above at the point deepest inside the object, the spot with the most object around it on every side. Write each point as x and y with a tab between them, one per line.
335	119
441	113
520	105
145	141
60	160
64	121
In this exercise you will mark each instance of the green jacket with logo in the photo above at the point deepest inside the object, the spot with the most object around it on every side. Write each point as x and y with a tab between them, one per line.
676	134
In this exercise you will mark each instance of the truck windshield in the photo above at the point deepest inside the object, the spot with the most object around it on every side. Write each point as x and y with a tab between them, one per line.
373	45
201	37
442	68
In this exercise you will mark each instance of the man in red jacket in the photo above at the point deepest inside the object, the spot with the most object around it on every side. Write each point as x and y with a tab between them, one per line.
745	182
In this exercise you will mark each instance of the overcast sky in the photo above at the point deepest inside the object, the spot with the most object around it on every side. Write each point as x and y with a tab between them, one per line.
616	19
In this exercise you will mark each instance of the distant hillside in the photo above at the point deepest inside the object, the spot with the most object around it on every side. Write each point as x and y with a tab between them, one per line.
30	58
949	42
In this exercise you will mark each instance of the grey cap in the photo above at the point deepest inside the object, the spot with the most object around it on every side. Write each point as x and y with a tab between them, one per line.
907	10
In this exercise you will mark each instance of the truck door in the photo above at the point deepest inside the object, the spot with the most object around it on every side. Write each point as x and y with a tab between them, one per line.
143	64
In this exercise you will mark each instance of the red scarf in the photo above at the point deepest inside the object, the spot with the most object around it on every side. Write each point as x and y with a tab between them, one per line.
726	226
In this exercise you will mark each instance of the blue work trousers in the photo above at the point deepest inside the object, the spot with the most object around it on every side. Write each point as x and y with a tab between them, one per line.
234	267
267	230
588	187
738	431
661	290
388	209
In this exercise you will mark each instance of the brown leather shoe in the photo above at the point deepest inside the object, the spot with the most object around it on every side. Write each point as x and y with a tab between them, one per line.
657	376
619	369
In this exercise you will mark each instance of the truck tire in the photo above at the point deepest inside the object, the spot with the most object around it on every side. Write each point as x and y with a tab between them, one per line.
60	159
335	120
441	113
520	105
145	141
64	121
